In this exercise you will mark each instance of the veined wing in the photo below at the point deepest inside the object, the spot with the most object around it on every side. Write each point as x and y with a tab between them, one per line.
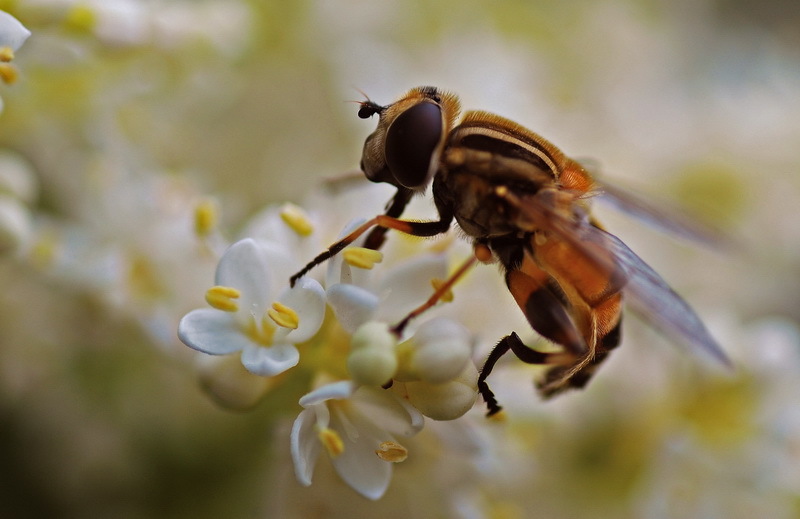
645	290
659	217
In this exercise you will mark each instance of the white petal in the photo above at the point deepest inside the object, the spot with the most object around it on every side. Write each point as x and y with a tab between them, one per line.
282	263
269	361
307	298
338	270
334	391
408	285
245	267
212	331
305	446
12	33
15	225
361	468
387	411
352	305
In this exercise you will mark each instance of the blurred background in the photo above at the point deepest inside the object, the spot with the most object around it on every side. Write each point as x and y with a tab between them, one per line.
127	114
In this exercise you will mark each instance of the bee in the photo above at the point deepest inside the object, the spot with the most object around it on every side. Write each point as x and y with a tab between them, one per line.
524	205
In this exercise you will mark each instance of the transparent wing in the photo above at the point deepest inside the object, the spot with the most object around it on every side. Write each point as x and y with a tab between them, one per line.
650	296
645	291
660	217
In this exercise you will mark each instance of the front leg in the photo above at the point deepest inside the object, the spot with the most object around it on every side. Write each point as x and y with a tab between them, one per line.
424	229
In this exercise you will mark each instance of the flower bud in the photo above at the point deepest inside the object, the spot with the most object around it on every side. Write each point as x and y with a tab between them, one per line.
446	401
372	360
437	352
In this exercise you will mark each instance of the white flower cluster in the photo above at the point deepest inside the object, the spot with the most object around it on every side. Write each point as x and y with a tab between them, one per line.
371	387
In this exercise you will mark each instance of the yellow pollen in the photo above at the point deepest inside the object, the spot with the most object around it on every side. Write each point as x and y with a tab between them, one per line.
437	284
6	54
392	451
283	315
362	258
81	18
331	440
8	73
296	218
499	417
222	298
206	216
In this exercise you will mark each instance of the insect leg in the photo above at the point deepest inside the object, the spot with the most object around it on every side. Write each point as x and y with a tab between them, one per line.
394	209
436	296
428	228
525	354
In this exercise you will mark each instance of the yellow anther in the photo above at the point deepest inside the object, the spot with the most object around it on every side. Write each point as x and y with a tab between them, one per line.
499	417
331	440
45	250
297	219
283	315
206	216
362	258
392	451
6	54
222	298
8	73
81	18
439	283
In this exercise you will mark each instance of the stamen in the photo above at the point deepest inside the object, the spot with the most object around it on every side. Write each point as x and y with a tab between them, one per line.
8	73
437	284
6	54
331	440
392	451
499	417
222	298
296	218
283	316
206	216
361	257
81	18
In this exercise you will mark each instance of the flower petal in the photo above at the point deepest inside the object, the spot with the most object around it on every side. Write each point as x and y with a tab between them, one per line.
212	331
305	446
359	466
307	298
408	285
334	391
12	33
245	267
386	410
269	361
352	305
338	270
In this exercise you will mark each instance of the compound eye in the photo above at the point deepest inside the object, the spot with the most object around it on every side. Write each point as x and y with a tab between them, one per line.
411	141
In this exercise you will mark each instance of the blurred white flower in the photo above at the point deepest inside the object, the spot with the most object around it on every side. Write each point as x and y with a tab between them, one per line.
15	225
357	427
12	33
251	314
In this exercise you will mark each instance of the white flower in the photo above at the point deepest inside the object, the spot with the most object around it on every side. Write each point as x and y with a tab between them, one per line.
431	369
250	316
15	225
356	297
357	427
12	33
